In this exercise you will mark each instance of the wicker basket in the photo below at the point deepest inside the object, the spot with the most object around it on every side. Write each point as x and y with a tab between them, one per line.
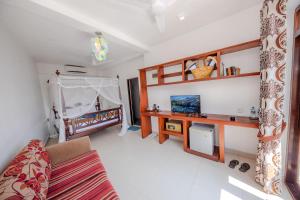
206	70
202	72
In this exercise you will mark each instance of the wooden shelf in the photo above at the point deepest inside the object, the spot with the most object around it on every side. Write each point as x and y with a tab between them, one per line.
222	51
241	75
208	79
184	75
174	74
240	47
174	133
214	157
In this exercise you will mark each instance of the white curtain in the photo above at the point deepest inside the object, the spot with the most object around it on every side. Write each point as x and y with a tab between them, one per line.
52	103
77	96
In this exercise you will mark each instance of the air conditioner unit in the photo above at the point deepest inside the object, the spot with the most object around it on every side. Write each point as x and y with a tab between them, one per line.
74	69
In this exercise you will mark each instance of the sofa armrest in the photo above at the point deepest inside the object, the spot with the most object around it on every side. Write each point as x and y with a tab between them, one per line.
65	151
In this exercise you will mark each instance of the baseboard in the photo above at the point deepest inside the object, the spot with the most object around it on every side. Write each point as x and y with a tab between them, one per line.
240	153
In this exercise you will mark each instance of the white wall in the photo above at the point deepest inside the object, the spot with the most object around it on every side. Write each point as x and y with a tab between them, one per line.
126	70
22	115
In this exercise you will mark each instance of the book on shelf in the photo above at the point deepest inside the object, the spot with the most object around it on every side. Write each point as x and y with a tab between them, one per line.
232	71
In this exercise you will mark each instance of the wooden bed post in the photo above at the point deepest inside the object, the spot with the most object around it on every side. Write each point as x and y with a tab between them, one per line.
67	130
121	114
55	112
98	105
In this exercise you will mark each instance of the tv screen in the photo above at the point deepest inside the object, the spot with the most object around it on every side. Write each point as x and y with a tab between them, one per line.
185	104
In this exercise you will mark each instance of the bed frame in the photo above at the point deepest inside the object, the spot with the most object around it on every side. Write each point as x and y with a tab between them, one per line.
87	123
90	122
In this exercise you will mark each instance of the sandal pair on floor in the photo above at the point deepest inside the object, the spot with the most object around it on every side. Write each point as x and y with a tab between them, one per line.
243	168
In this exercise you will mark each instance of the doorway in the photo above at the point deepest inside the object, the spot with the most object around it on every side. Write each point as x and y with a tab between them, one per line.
293	156
134	101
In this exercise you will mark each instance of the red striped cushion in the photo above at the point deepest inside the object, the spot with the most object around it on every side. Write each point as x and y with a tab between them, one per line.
97	187
83	177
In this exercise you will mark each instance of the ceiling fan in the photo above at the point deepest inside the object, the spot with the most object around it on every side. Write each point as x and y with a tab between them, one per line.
157	8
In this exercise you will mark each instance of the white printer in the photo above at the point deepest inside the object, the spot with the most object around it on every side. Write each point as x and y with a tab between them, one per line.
202	138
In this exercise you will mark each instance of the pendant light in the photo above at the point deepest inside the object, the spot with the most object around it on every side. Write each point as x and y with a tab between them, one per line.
99	47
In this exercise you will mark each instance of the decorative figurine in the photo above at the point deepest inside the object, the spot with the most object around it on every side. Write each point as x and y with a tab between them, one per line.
155	108
253	113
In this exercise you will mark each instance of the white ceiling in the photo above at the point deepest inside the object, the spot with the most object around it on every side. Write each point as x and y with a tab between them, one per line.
59	31
136	21
50	39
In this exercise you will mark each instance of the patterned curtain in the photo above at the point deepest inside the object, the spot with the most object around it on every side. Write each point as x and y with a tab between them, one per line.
271	117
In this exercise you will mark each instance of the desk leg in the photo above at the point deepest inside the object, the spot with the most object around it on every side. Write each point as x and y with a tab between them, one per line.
221	143
161	124
185	134
146	126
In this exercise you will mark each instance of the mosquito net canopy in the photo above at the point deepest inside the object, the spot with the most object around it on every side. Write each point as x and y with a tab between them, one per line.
75	96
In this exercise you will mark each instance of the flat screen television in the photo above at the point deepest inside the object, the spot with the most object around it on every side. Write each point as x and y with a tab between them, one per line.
186	104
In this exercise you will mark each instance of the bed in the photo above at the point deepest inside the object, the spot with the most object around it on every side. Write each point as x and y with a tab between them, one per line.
95	100
92	122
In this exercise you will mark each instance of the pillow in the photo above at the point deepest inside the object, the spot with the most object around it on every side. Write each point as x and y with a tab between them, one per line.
27	176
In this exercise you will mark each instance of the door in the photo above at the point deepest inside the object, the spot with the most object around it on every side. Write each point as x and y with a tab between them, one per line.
134	101
293	159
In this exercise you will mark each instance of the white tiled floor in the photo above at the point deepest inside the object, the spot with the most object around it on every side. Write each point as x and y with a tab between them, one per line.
145	170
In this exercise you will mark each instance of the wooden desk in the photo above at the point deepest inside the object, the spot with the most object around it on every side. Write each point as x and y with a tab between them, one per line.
220	120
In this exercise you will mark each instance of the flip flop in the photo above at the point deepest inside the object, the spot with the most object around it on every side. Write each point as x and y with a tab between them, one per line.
244	167
233	164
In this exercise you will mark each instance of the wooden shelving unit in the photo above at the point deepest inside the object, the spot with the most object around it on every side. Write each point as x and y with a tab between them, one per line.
182	76
184	79
208	79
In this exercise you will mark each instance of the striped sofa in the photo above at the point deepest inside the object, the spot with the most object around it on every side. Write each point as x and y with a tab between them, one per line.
70	170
